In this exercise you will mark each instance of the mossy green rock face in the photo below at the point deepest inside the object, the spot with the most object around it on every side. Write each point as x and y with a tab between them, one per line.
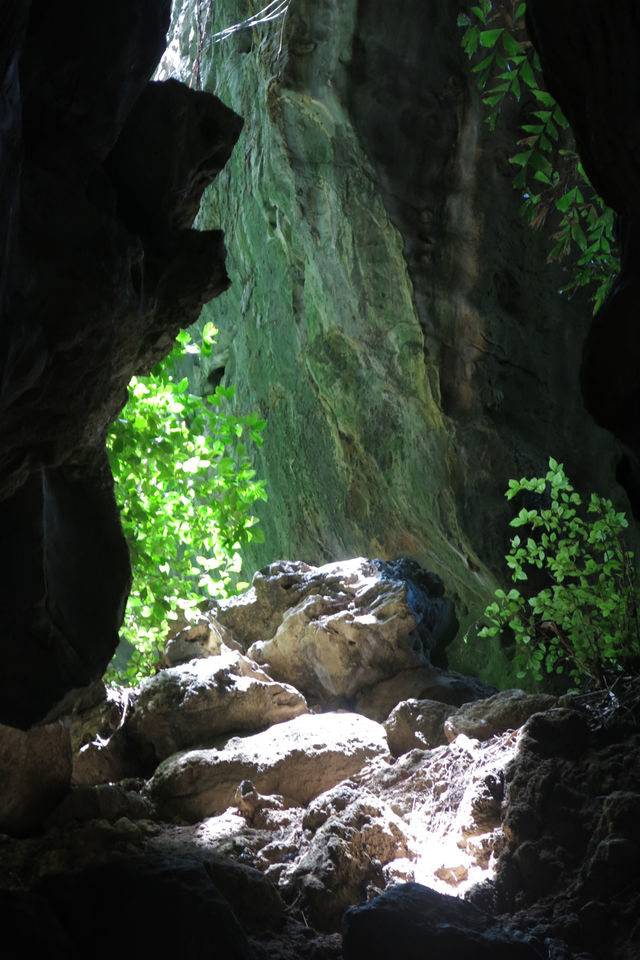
391	316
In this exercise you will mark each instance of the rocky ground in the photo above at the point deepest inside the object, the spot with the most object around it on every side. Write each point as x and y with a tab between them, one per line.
280	790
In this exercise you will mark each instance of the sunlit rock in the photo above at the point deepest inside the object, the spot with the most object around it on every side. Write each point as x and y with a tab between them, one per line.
192	641
298	759
401	329
343	861
333	630
197	702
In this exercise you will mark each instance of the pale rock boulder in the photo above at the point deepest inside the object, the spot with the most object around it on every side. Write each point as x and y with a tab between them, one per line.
35	773
195	640
417	724
255	615
198	702
355	623
298	759
507	710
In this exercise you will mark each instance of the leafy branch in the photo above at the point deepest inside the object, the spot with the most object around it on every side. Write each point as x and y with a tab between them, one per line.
550	176
584	619
185	487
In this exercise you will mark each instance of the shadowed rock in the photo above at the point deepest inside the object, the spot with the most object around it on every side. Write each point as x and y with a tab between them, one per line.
100	177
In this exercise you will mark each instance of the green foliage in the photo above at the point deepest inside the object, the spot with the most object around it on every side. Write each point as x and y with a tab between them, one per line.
185	487
549	174
584	619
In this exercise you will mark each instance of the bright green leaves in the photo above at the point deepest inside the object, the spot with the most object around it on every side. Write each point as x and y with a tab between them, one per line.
185	487
548	172
583	620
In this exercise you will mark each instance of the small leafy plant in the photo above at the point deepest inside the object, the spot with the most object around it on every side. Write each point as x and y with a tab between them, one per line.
185	487
549	174
584	619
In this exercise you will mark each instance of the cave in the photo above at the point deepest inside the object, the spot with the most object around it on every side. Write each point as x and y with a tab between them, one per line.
332	764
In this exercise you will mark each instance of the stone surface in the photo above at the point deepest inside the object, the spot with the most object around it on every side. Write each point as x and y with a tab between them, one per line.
198	702
139	888
300	759
100	178
416	724
571	824
413	922
401	330
35	772
507	710
422	683
192	641
101	751
355	623
577	49
343	864
538	827
254	898
101	802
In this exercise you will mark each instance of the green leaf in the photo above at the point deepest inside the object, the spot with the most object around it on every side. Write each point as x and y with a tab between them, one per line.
511	46
185	489
480	13
489	38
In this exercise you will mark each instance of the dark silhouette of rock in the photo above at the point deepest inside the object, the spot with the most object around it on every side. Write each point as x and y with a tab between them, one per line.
137	901
101	174
589	55
414	922
572	824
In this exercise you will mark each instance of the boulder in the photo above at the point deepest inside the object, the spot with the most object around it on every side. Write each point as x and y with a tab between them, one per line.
197	702
253	897
256	614
35	772
507	710
421	683
193	641
416	724
414	922
344	861
298	759
355	623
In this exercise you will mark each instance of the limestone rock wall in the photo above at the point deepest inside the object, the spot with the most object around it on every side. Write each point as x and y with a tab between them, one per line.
390	314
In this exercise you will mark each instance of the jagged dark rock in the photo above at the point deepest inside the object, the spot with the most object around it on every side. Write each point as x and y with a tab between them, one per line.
100	178
572	822
589	56
415	922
